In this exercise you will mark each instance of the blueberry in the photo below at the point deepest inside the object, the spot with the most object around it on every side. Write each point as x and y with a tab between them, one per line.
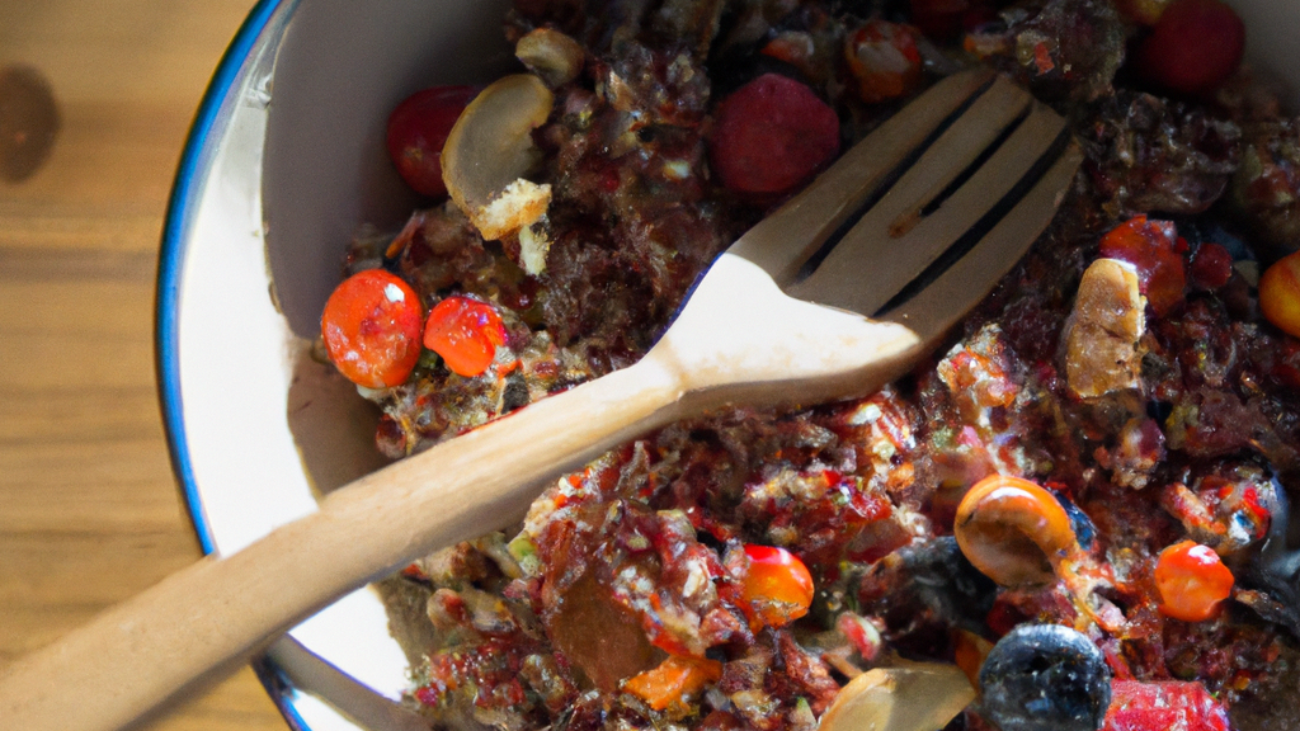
1045	677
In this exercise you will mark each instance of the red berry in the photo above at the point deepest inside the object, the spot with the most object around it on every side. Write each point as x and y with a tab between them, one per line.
465	333
771	135
1194	47
417	130
371	328
1211	267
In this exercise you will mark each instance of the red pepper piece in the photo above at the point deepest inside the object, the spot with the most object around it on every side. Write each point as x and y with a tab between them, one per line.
1137	706
465	333
772	135
1194	47
417	131
1152	247
371	328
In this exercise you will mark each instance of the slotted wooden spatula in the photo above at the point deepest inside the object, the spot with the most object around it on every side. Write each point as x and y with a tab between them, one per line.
911	228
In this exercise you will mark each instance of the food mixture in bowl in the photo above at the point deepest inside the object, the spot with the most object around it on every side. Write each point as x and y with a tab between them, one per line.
1079	501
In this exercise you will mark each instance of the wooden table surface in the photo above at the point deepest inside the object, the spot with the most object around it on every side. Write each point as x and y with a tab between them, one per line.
89	509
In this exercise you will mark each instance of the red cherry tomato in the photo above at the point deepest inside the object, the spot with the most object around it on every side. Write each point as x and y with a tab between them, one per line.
371	327
417	130
1194	47
777	588
771	135
1151	247
1279	294
1192	581
465	333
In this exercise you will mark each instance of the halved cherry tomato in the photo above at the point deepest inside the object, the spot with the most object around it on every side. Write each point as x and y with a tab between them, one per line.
778	589
465	333
371	327
1192	581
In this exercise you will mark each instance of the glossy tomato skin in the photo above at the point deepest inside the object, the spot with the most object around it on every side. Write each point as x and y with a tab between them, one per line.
1279	294
778	588
417	131
466	333
371	327
1192	581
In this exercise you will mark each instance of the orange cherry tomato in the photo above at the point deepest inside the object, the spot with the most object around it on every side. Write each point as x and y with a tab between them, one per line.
1013	531
371	327
1279	294
777	589
465	333
1192	581
673	679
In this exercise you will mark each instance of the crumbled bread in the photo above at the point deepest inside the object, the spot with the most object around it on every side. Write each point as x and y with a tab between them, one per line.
519	205
533	247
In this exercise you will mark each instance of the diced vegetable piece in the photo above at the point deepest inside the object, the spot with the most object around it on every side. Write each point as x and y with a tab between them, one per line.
884	59
1152	247
1194	47
1013	531
777	589
674	679
1136	706
1211	267
1279	294
1192	581
465	333
417	131
371	328
771	135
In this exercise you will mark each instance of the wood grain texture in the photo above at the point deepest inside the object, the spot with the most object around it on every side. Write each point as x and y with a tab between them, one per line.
89	510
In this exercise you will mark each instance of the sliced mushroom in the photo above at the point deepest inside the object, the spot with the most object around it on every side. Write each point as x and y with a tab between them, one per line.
1102	336
490	150
914	697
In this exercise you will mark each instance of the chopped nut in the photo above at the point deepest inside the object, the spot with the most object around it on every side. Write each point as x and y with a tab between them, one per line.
552	55
1103	332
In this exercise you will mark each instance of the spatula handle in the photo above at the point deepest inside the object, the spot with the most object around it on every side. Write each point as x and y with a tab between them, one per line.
218	613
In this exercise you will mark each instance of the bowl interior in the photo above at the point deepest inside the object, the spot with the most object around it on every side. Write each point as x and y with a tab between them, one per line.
285	186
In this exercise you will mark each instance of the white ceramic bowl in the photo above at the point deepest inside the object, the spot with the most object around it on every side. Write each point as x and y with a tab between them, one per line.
284	162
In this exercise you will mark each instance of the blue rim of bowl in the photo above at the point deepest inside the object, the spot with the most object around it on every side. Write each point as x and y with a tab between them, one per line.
186	187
